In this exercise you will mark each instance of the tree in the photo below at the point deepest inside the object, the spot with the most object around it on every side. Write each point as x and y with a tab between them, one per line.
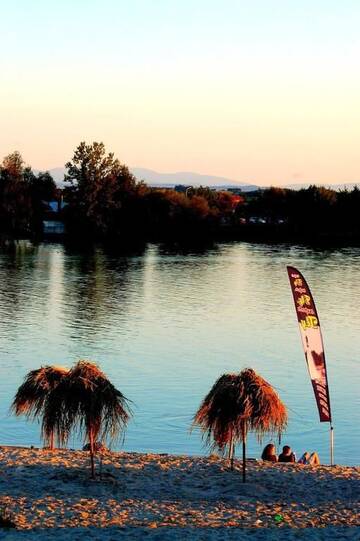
22	196
99	187
42	187
237	404
32	395
15	200
87	401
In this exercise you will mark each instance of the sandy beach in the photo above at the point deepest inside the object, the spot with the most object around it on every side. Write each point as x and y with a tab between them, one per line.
148	496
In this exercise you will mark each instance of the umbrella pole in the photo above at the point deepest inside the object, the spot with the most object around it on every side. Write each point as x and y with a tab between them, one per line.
331	445
231	451
91	441
244	454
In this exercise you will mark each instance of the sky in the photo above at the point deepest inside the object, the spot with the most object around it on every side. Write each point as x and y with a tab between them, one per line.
265	91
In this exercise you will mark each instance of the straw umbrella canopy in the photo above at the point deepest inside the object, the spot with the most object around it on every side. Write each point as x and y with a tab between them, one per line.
237	404
32	395
87	401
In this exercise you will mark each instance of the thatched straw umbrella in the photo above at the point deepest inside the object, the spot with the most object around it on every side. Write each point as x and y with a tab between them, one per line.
87	401
32	395
237	404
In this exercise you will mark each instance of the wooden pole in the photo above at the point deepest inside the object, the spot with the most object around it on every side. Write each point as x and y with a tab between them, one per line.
331	445
91	441
244	453
231	452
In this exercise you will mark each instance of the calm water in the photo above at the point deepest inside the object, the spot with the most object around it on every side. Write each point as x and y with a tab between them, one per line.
165	325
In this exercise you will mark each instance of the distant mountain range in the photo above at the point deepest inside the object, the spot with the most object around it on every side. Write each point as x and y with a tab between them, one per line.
188	178
155	179
170	180
57	174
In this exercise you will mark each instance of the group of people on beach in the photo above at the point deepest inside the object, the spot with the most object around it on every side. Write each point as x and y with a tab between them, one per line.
287	455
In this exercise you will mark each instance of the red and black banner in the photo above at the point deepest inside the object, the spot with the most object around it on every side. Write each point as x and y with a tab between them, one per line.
312	341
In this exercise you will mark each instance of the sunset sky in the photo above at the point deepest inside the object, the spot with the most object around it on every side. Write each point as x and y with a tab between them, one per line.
261	91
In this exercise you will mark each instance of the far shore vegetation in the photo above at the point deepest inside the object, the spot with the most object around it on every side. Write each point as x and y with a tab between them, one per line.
101	201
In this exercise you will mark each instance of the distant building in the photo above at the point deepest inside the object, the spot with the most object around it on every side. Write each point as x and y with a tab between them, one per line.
235	191
53	227
53	224
56	206
181	188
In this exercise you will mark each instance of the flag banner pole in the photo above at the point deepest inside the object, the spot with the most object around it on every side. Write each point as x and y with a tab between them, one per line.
311	337
331	445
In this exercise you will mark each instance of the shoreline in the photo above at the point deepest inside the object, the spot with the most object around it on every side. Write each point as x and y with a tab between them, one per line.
49	494
189	455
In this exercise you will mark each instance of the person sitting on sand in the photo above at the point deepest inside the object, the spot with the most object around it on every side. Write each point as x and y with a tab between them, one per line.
99	447
269	453
287	455
310	459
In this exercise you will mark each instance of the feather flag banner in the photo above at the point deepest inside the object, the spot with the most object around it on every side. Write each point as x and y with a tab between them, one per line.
312	341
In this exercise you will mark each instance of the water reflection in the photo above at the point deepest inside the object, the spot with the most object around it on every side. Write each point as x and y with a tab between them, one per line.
94	292
164	324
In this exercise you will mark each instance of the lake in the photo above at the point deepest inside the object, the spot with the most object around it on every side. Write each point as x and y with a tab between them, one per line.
164	325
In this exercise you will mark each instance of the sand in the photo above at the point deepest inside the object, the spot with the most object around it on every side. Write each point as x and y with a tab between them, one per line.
50	495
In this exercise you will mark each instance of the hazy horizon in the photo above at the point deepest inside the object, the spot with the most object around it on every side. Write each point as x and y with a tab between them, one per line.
262	92
189	176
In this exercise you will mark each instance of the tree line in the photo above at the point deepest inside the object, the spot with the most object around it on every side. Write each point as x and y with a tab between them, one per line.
104	201
312	214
